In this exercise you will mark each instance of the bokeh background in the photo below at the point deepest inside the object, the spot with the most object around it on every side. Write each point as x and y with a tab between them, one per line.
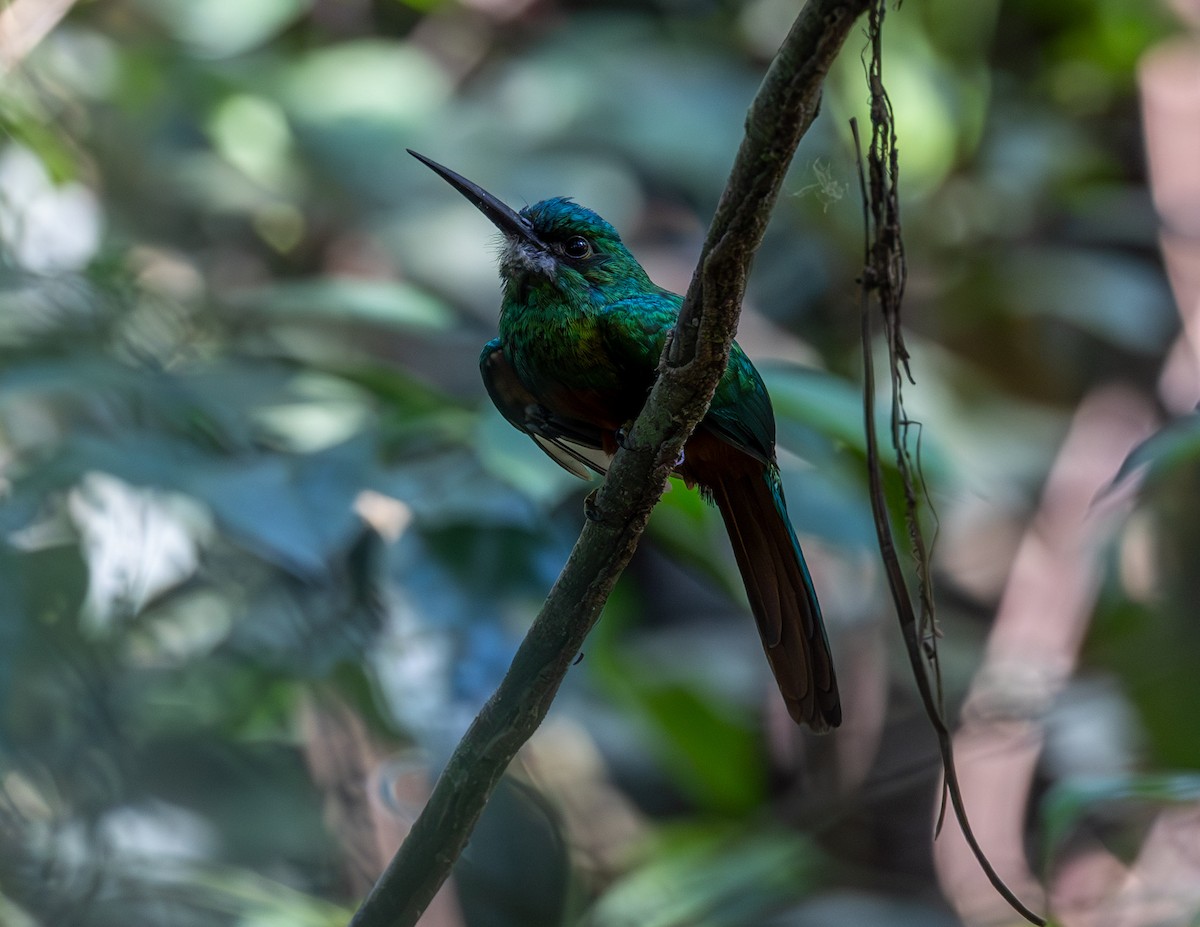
265	548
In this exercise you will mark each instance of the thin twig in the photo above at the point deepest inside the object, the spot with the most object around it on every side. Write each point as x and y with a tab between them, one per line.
692	364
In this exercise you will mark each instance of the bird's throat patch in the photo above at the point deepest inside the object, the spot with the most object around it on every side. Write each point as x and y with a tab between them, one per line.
520	259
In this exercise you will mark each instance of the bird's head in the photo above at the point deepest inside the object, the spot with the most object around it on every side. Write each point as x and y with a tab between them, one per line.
555	242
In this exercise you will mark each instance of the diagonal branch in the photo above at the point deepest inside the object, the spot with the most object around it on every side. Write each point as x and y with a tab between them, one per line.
693	362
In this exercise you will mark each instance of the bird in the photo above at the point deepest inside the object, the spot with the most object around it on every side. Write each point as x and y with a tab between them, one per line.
581	331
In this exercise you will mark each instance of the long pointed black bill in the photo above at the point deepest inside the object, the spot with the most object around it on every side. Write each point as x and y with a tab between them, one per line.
503	217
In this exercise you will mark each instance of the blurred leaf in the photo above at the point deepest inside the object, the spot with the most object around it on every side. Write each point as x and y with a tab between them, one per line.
45	586
190	410
367	79
714	758
819	416
955	96
1175	445
41	590
712	875
320	413
453	487
206	697
828	408
252	133
226	27
12	915
413	418
1150	644
1069	801
355	106
31	131
510	455
347	300
238	790
307	629
263	902
1122	299
516	870
690	530
294	513
1111	33
829	503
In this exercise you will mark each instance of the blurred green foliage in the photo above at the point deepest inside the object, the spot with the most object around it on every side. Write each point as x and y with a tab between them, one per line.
246	456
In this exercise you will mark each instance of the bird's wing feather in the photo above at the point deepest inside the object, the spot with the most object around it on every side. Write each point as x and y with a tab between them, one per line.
740	413
575	446
635	330
575	458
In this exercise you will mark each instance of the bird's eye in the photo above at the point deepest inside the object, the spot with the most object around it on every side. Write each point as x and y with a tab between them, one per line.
577	247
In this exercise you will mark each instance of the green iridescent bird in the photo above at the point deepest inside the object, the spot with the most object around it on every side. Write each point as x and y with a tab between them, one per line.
581	331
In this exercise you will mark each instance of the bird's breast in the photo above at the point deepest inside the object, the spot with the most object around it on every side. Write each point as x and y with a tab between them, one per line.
563	362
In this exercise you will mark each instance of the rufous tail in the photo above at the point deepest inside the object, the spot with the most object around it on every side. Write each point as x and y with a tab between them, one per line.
781	593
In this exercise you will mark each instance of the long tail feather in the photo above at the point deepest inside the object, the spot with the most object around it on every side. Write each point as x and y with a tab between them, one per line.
781	594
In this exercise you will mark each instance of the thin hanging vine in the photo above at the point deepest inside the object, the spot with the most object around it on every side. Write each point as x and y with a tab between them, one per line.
884	275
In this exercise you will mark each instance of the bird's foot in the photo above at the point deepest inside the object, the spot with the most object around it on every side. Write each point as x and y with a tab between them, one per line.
590	509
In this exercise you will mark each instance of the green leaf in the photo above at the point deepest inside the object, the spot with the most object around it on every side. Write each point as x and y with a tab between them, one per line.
713	875
1122	299
1069	801
516	870
218	28
828	405
374	81
715	758
510	455
345	299
453	488
691	531
1176	444
294	512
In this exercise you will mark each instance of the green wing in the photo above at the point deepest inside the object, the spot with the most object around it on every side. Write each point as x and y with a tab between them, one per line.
741	411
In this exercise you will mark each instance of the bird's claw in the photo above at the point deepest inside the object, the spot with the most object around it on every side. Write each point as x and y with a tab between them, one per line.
621	436
590	509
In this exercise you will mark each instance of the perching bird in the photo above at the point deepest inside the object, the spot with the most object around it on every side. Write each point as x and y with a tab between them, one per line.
581	331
